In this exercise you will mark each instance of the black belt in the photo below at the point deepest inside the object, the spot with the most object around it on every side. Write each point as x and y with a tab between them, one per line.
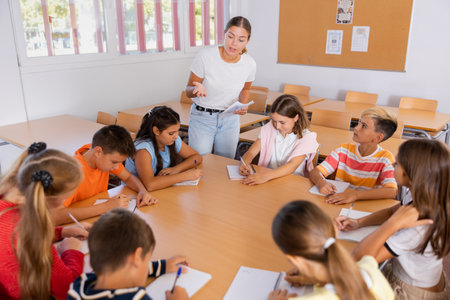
210	110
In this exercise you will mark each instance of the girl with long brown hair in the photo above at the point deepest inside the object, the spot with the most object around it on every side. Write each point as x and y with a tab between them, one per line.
307	236
30	267
415	236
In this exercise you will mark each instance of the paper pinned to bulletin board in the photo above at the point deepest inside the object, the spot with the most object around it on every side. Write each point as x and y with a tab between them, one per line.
374	33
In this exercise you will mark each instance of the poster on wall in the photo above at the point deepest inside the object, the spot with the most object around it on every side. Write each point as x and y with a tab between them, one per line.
344	12
360	38
334	42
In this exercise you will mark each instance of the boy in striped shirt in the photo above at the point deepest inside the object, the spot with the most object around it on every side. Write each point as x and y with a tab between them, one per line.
365	165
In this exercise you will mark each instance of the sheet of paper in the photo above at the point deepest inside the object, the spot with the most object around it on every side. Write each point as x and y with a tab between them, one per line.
359	234
341	186
192	281
233	173
188	182
360	38
234	107
131	204
256	284
84	246
334	42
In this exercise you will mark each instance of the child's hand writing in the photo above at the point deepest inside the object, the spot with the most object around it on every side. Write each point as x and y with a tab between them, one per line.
245	170
69	244
405	217
179	293
118	201
280	295
326	188
76	231
255	179
193	174
349	195
172	264
346	224
199	90
145	199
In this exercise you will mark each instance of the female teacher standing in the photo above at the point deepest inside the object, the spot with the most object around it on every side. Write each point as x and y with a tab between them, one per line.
219	77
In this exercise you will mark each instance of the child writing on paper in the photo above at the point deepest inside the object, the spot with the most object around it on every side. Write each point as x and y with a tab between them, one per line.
110	146
365	165
416	237
285	144
162	158
30	266
307	236
120	246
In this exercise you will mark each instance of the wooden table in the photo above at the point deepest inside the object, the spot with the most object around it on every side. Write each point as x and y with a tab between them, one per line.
222	224
66	133
184	110
411	118
329	139
304	99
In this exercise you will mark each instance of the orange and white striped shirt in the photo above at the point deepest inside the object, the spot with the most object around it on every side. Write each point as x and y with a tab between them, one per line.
363	173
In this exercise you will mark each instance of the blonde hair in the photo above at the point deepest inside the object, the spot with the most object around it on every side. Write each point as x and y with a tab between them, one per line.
302	229
385	121
39	177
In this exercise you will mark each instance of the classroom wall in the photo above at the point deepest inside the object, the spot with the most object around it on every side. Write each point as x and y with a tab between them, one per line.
427	65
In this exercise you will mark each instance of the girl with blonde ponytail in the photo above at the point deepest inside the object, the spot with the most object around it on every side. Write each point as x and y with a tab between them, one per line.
308	238
30	267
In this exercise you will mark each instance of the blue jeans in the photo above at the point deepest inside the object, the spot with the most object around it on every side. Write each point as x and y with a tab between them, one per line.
210	129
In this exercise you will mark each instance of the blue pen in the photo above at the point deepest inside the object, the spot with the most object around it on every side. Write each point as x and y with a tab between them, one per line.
134	209
195	163
176	278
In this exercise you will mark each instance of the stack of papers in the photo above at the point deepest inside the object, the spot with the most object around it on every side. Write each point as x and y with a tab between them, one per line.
359	234
257	284
233	173
341	186
192	281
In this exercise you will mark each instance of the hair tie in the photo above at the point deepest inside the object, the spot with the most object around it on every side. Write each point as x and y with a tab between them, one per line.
37	147
44	177
330	241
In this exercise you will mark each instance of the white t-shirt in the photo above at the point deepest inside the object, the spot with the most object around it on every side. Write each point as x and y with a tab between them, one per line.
282	149
223	81
420	270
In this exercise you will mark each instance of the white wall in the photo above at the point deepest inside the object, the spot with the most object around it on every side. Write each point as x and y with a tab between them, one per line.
427	68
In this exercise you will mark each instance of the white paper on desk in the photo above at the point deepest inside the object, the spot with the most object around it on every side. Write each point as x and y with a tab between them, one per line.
192	281
233	173
188	182
256	284
131	204
234	107
341	186
359	234
84	246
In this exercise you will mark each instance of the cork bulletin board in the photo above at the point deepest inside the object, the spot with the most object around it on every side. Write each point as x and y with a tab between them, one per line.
304	26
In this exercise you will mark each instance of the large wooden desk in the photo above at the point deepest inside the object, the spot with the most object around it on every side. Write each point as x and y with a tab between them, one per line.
304	99
66	133
222	224
329	139
411	118
184	110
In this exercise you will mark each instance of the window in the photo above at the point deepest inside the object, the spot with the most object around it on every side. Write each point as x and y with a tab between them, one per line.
75	27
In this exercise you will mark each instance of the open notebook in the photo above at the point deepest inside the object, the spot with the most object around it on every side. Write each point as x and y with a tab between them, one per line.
359	234
341	186
192	281
257	284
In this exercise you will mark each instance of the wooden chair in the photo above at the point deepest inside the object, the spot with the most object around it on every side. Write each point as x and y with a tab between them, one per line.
360	97
131	122
105	118
296	89
329	118
418	103
184	98
399	132
259	88
260	100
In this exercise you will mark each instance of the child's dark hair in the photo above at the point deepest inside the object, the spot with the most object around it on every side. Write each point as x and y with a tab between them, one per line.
242	22
427	165
289	106
114	138
385	122
302	229
160	117
115	236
